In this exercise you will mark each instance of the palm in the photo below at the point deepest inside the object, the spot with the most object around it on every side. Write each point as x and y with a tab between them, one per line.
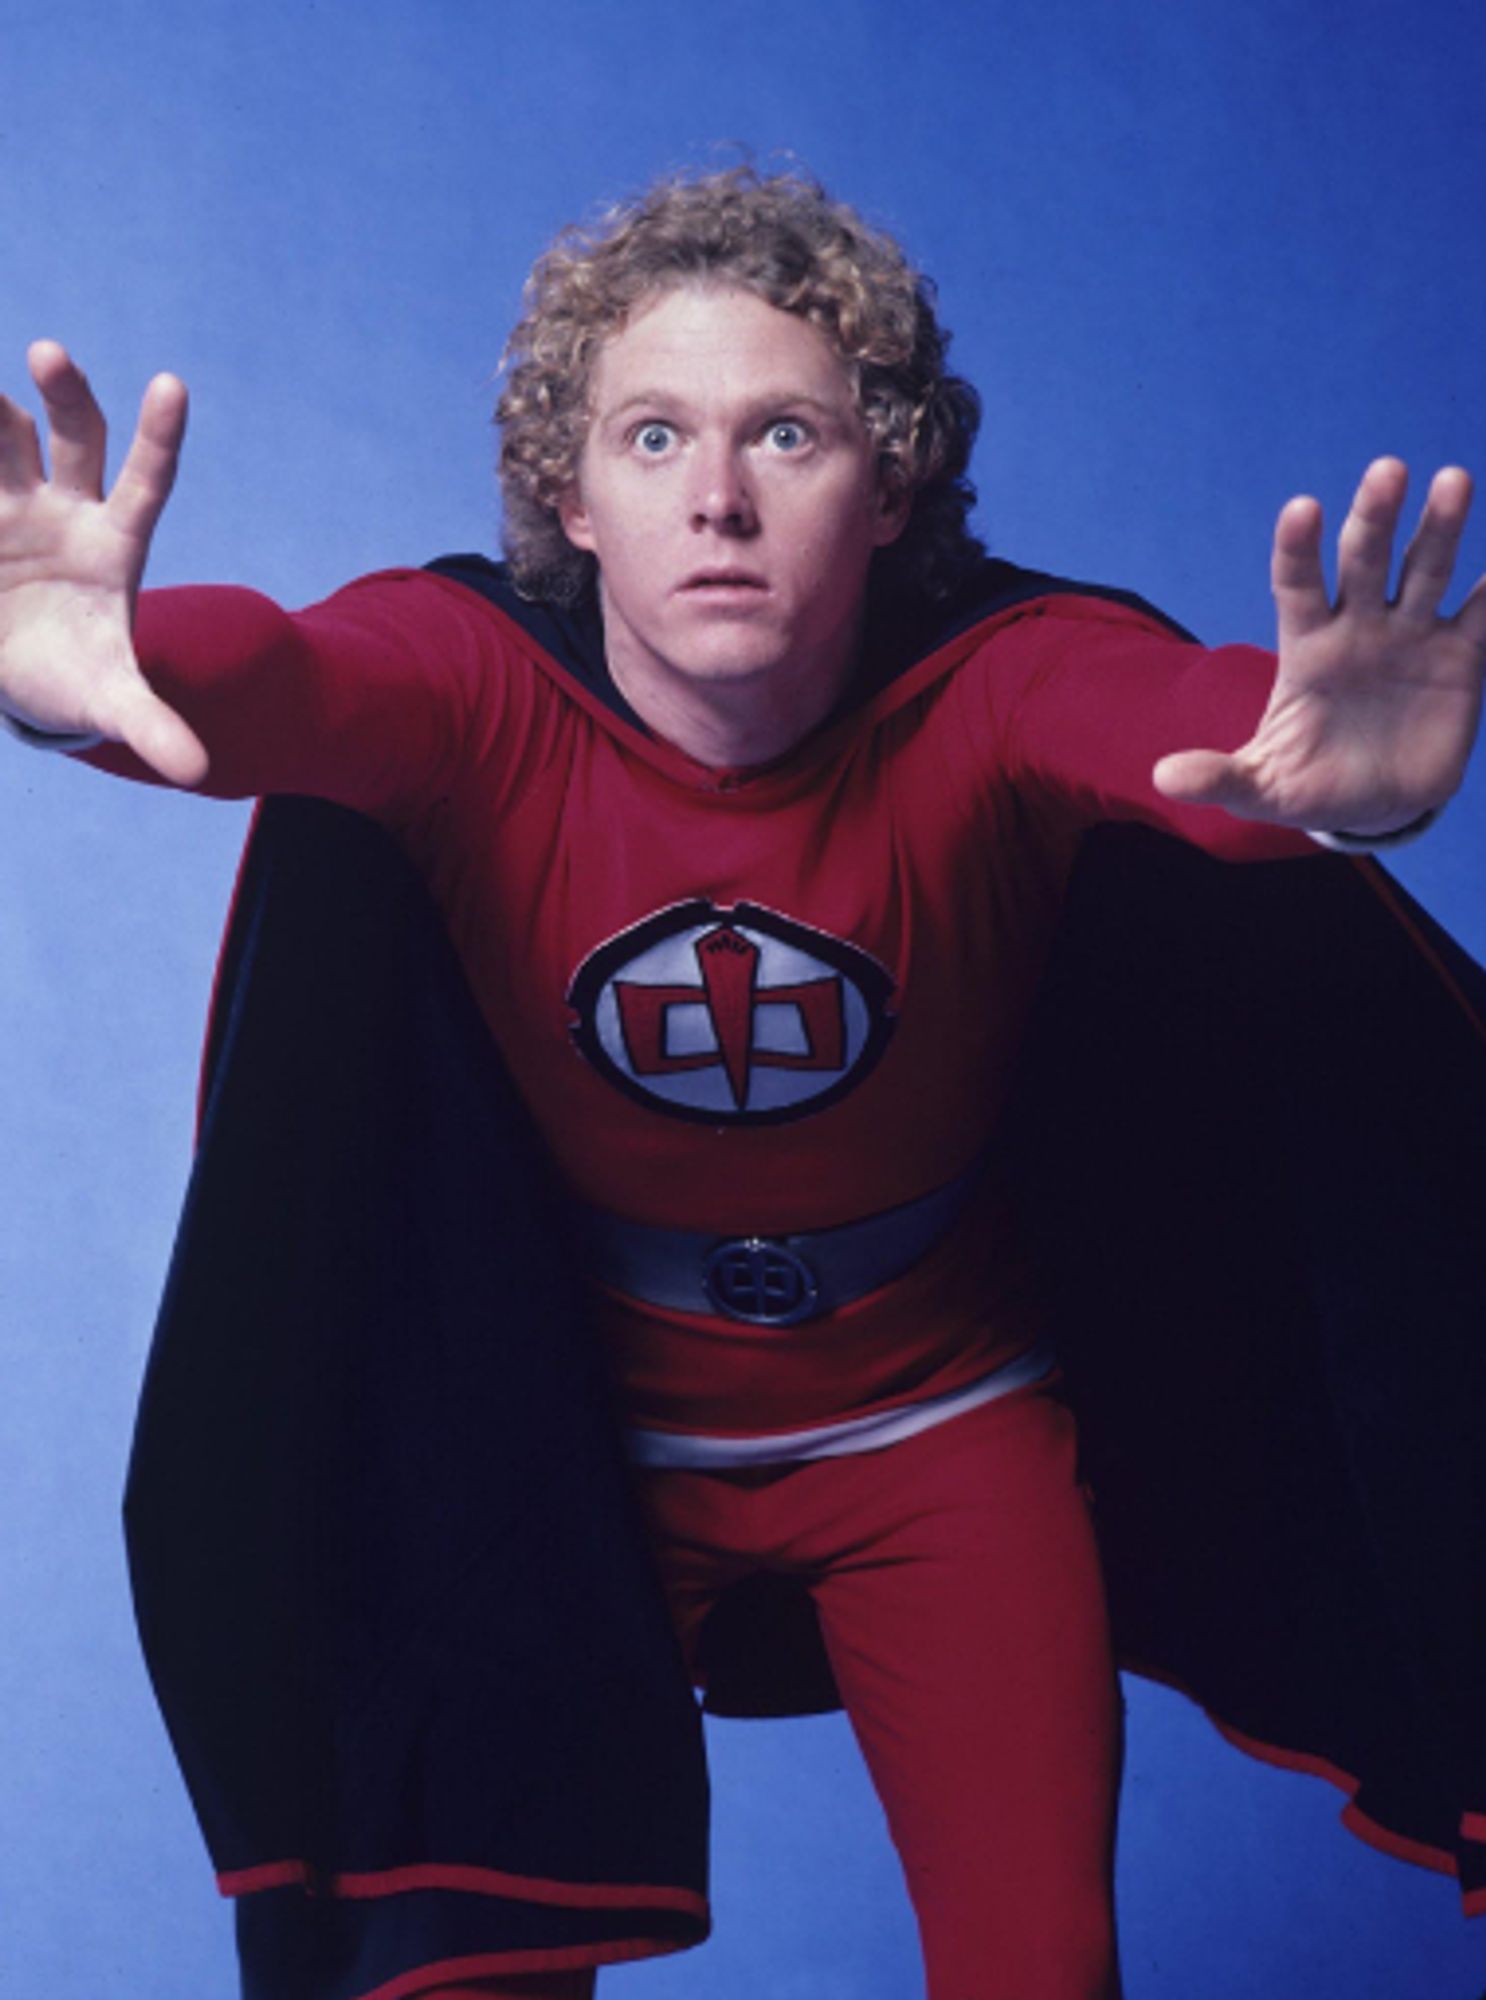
1376	699
71	560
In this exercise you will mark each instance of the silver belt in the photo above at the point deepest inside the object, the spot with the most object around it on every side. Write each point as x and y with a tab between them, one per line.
767	1280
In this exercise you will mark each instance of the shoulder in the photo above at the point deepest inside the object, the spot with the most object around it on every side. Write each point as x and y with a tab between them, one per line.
437	626
416	604
1002	619
998	594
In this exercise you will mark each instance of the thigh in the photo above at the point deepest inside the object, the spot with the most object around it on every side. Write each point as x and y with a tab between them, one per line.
968	1633
703	1538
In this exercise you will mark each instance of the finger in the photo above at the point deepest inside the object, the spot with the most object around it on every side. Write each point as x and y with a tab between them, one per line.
1470	619
77	434
155	733
20	454
148	472
1295	573
1429	559
1365	545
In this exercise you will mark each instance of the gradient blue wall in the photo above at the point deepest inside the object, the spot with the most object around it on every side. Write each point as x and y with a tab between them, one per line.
1198	257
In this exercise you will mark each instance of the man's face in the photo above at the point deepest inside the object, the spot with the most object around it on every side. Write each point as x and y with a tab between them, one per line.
731	495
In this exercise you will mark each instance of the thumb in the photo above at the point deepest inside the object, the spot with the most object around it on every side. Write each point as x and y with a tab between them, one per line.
1201	778
160	738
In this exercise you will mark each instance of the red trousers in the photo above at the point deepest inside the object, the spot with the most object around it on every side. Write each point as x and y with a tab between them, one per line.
960	1598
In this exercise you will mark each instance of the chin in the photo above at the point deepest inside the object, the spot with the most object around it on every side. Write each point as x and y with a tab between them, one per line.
727	656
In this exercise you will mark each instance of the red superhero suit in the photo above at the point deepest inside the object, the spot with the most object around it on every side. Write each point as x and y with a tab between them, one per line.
904	868
771	1001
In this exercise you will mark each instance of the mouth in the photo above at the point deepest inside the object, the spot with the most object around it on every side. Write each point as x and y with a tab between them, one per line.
723	583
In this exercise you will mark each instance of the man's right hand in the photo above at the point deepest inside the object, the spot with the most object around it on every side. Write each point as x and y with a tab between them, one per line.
71	562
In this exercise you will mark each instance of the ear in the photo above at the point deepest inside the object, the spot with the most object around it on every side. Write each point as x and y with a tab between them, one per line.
573	518
894	505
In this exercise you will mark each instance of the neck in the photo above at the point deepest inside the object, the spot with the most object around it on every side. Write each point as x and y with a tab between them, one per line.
731	720
727	727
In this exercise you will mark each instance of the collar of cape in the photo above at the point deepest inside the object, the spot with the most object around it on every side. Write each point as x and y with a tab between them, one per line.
904	652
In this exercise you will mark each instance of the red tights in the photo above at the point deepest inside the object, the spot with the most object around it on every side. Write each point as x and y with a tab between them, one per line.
960	1597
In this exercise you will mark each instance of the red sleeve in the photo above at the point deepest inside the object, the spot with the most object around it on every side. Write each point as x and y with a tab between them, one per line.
1085	697
370	698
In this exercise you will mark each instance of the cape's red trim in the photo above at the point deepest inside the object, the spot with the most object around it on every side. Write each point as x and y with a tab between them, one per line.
271	1875
468	1880
1399	1846
1395	1844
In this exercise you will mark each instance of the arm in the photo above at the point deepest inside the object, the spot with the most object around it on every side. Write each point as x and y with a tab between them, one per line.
1086	698
373	698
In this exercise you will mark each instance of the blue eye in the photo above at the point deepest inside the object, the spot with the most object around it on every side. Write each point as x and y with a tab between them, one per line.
787	435
654	438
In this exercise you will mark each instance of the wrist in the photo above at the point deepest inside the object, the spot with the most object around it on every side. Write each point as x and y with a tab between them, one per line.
1341	842
48	739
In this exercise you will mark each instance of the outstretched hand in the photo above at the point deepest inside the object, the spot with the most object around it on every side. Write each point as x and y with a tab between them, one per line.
71	561
1376	698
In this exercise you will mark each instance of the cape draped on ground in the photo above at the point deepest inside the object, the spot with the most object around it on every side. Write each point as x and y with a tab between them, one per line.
391	1586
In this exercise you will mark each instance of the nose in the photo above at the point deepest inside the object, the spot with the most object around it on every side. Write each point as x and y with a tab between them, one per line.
721	496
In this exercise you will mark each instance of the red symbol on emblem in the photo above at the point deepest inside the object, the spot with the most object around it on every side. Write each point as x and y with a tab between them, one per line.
730	992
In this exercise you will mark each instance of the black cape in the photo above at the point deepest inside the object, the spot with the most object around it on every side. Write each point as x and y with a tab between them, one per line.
388	1572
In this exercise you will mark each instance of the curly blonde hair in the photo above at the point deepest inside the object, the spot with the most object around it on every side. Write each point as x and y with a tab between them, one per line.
783	238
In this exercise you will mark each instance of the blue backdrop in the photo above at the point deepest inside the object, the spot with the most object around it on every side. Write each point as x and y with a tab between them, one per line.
1197	258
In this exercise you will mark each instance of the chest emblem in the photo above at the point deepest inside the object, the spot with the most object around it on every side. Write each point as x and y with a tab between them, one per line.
732	1016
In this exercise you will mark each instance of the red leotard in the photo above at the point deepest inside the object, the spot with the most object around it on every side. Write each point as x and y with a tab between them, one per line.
759	1074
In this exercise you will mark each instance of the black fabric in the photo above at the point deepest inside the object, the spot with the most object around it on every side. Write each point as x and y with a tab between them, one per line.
1252	1136
572	635
392	1588
898	634
390	1585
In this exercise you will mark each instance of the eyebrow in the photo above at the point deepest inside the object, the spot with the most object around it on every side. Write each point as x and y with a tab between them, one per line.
770	399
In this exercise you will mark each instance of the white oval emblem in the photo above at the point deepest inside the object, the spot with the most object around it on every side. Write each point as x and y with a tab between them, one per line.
736	1016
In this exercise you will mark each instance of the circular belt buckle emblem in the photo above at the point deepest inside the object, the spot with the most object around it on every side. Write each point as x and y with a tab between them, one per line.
761	1281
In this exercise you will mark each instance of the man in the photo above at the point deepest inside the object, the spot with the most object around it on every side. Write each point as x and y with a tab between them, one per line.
749	801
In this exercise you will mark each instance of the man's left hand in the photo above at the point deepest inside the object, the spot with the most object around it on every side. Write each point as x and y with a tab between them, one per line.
1376	698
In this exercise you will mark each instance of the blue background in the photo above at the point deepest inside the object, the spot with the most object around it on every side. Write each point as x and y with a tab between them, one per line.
1197	258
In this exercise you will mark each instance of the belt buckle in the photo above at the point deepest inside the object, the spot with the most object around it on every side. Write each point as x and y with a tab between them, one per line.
761	1281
